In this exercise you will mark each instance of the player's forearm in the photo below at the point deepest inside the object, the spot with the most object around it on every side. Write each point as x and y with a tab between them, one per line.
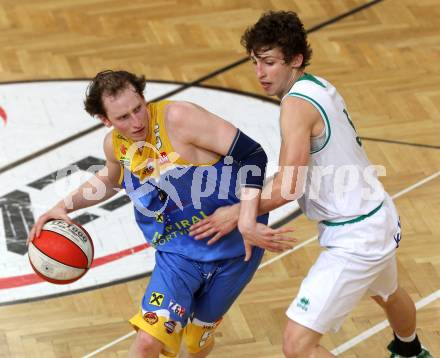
94	191
275	193
284	187
271	197
250	199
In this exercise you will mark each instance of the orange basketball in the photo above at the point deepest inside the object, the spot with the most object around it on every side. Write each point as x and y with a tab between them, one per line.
62	253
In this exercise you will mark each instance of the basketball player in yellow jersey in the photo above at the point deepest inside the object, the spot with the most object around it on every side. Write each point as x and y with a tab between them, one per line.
357	221
163	154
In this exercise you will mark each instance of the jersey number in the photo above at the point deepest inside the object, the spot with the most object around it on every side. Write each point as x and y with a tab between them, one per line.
358	140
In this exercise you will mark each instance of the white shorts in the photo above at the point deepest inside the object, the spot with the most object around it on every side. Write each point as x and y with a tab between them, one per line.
359	257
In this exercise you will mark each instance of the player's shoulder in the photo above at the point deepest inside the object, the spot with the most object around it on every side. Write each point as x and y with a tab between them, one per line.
177	112
178	108
309	85
295	109
309	79
108	139
301	102
113	137
309	88
109	143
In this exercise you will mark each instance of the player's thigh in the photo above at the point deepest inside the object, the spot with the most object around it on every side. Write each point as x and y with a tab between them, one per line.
213	302
331	289
385	284
229	280
168	299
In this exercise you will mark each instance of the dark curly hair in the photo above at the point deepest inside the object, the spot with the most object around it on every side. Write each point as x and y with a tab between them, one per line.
281	29
110	83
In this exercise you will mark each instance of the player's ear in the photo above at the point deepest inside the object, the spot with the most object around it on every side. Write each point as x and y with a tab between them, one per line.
297	60
104	120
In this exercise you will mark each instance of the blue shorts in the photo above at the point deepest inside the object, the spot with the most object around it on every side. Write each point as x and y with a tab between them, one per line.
188	299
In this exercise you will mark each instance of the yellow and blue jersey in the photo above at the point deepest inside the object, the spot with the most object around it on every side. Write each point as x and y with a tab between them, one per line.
170	194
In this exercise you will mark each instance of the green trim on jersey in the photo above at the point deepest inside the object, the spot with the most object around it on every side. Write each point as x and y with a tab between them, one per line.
355	220
309	77
323	114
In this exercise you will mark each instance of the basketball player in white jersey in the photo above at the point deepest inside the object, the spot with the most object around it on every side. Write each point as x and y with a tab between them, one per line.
336	186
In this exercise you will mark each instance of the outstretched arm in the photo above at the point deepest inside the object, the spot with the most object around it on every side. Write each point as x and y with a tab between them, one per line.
100	187
221	137
298	121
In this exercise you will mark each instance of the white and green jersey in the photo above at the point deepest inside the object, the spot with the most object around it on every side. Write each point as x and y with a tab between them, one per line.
341	185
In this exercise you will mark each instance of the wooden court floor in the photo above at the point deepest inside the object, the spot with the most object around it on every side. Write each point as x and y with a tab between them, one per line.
384	59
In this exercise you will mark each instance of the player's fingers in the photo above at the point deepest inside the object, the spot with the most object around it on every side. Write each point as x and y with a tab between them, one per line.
30	236
198	225
269	241
209	232
38	227
199	229
216	237
67	219
40	223
283	246
276	247
283	230
285	238
269	230
247	250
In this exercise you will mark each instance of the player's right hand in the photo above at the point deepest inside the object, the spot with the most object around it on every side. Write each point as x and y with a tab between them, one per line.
265	237
220	223
54	213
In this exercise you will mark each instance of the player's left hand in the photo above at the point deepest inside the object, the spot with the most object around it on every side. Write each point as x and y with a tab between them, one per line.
263	236
216	225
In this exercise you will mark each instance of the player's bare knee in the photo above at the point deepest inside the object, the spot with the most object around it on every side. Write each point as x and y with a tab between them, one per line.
146	343
379	300
390	300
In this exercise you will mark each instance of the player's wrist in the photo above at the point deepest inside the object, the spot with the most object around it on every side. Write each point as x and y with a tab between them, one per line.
246	225
63	206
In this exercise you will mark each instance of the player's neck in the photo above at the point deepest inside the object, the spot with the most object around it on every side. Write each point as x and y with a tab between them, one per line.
296	75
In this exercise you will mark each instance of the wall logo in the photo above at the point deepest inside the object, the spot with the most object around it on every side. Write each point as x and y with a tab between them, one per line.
41	114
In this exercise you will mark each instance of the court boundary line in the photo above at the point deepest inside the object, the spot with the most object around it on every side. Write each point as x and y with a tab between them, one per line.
354	341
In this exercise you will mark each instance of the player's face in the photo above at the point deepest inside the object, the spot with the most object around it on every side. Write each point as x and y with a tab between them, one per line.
274	74
127	113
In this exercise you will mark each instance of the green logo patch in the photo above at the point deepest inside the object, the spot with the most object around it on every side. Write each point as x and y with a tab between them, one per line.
303	303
